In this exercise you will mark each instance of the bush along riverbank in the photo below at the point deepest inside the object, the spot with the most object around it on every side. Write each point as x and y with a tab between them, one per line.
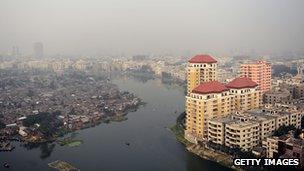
178	129
200	150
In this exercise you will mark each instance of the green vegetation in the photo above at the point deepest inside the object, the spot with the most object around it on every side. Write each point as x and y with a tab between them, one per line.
30	93
117	118
302	122
179	134
297	133
62	166
49	123
74	143
237	152
2	125
221	158
178	129
284	130
70	141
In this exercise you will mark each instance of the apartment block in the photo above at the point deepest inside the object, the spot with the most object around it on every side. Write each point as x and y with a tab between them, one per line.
216	100
277	96
246	130
201	68
285	146
208	100
259	72
246	93
241	134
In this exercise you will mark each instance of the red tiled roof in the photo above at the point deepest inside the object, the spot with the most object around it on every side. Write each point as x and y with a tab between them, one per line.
241	82
210	87
202	59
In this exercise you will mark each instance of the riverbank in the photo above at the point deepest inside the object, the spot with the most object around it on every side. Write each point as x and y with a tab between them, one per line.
201	151
62	166
144	130
70	141
178	131
205	153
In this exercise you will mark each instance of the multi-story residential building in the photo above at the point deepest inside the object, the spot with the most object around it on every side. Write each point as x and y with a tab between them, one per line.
285	146
235	131
267	123
248	129
298	91
246	93
259	72
285	114
215	100
216	130
208	100
242	134
201	68
277	96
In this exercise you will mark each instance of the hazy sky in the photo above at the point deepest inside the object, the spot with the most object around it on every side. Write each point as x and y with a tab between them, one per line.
151	26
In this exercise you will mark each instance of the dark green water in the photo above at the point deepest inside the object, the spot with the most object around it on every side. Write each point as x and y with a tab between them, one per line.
152	145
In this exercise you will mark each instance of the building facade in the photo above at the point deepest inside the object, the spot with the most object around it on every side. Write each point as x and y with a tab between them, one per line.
259	72
201	68
212	100
246	130
208	100
277	96
285	146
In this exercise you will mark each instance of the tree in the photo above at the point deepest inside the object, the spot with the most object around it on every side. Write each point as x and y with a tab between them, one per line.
49	123
297	133
302	122
284	130
30	93
2	125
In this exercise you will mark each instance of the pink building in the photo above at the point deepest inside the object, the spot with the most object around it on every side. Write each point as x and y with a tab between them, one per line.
259	72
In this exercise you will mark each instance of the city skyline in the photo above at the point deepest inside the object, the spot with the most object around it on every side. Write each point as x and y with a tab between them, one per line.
187	84
152	27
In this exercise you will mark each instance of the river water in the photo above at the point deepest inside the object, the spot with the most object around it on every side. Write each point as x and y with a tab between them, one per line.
152	145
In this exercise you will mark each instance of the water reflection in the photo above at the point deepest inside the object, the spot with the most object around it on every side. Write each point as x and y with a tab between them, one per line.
46	149
142	79
194	165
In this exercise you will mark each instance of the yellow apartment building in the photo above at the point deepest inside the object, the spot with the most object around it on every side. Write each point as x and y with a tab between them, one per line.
201	68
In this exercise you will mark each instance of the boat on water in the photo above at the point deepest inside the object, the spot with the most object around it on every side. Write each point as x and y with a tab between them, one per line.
6	165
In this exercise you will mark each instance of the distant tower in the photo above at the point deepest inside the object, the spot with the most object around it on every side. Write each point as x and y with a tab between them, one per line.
15	51
300	71
38	50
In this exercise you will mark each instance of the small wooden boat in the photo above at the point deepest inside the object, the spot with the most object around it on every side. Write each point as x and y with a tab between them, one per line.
6	165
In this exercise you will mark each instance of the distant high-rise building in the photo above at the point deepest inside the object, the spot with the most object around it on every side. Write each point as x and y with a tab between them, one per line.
15	51
139	57
201	68
259	72
38	50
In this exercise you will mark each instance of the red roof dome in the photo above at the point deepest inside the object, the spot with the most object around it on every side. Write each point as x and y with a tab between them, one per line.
202	59
242	82
210	87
